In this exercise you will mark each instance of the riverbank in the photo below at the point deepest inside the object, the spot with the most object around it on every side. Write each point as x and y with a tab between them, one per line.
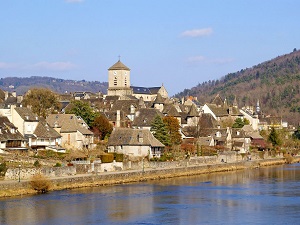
15	188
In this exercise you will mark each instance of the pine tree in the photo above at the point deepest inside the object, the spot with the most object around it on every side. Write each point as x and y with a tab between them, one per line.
159	130
274	137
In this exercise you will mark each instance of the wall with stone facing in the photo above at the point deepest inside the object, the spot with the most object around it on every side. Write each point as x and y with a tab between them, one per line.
27	173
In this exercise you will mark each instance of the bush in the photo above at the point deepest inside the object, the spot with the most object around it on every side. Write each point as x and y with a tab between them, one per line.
37	164
3	169
119	157
288	158
57	164
107	158
40	183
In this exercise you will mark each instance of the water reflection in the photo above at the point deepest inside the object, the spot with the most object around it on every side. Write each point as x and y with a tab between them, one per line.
266	195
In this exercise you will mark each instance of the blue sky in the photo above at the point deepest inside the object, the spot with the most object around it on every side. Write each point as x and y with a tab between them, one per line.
174	42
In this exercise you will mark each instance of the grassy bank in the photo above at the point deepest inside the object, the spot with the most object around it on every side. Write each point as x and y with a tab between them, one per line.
9	189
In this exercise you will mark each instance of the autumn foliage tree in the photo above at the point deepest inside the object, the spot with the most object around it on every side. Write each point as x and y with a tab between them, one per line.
42	101
101	127
173	127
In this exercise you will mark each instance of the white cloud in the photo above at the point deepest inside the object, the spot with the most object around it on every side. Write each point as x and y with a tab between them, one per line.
197	32
202	59
73	1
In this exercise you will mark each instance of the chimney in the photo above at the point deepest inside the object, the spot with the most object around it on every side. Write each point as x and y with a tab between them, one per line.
140	137
118	120
14	94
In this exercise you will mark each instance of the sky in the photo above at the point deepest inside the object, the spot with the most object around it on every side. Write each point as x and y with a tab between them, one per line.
172	42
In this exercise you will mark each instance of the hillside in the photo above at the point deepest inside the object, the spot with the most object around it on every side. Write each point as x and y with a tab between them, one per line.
21	85
275	83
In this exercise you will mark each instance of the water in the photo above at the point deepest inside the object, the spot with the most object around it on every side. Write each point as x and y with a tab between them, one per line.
259	196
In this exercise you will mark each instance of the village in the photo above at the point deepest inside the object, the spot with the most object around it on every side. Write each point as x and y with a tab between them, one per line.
196	132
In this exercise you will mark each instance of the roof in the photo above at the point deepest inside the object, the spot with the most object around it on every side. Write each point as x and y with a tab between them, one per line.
26	114
8	131
220	111
159	99
118	66
125	105
68	123
133	137
193	111
218	101
146	116
43	130
206	120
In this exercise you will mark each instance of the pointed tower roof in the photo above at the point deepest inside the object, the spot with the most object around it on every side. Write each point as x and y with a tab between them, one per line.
235	104
159	99
118	66
218	101
193	111
173	112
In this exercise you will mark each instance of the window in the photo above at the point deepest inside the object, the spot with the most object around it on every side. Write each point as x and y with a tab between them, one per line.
115	81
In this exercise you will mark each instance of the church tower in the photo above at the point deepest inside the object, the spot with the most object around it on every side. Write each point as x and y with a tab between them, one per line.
119	80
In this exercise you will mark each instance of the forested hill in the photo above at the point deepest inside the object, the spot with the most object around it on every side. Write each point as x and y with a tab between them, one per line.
21	85
275	83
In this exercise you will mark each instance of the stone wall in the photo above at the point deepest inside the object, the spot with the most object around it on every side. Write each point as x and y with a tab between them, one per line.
27	173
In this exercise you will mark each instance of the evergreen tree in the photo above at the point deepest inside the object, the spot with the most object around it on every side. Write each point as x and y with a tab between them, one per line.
84	110
159	130
274	137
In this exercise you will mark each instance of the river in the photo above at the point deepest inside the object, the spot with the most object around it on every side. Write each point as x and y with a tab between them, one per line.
268	195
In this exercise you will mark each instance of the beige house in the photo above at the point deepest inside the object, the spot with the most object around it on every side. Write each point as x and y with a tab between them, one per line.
73	129
134	143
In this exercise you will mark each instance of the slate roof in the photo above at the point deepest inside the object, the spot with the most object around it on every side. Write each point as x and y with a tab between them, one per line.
124	105
146	117
159	99
224	111
43	130
204	141
206	120
127	136
26	114
118	66
68	123
218	101
238	133
193	111
6	127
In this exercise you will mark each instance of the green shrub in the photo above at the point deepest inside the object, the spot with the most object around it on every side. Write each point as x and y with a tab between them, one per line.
57	164
119	157
3	169
37	164
107	158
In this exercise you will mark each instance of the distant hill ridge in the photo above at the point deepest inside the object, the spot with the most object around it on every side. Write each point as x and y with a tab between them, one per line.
275	83
23	84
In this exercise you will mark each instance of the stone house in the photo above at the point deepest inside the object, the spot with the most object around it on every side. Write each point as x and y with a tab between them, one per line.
145	117
10	137
220	110
134	143
73	129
